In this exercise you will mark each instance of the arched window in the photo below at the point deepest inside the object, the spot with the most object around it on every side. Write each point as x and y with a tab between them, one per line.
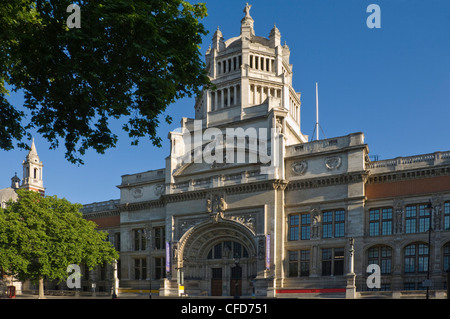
381	256
416	258
446	259
228	249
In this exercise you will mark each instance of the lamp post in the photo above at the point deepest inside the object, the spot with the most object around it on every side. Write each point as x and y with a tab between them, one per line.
428	282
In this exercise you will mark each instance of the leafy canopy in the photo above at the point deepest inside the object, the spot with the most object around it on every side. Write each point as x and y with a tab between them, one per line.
41	236
129	60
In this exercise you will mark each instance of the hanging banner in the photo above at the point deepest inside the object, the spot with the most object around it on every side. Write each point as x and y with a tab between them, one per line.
267	252
167	257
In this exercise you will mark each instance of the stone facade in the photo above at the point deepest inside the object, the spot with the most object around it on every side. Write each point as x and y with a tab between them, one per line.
309	221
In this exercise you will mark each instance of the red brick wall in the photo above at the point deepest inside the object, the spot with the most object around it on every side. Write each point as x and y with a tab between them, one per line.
107	222
409	187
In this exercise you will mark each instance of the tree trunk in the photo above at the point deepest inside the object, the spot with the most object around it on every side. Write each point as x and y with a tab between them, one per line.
41	288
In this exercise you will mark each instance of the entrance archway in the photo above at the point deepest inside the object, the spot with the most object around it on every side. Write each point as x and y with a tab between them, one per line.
218	257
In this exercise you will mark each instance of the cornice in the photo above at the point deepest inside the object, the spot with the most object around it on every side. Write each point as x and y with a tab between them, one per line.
407	175
330	180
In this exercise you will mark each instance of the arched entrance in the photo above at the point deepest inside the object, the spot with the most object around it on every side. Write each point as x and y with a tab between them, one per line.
218	257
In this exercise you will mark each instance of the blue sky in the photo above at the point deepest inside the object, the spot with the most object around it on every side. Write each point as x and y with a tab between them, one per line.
392	84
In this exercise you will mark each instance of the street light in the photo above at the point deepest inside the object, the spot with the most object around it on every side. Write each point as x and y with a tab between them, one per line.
428	281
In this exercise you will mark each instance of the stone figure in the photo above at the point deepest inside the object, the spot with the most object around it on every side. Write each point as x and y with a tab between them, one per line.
247	10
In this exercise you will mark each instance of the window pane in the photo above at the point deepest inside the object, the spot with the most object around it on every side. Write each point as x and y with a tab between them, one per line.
410	226
339	230
328	217
387	228
327	230
410	211
374	229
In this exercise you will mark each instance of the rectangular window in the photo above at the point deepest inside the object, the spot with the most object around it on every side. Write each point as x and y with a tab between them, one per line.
139	239
424	218
380	221
293	263
304	262
332	261
333	224
417	218
293	227
160	268
447	216
386	226
339	222
411	219
160	237
327	225
140	268
338	262
326	261
374	222
306	226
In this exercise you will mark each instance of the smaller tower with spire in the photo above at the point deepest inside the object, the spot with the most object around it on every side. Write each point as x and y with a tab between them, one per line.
32	171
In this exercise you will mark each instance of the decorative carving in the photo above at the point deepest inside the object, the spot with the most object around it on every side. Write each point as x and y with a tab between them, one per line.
299	168
398	211
137	192
436	202
248	220
315	223
333	162
159	189
215	206
188	224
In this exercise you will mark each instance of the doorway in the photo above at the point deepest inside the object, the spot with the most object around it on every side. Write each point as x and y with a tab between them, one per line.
216	282
236	281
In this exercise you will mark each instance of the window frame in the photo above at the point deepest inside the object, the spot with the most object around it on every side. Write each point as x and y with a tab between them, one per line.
381	222
333	223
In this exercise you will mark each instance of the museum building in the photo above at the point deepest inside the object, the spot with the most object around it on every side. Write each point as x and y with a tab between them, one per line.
306	218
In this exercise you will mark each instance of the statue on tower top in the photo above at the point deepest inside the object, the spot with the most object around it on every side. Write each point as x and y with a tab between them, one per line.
247	10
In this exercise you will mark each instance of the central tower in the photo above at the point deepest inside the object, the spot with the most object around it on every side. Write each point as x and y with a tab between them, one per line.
253	83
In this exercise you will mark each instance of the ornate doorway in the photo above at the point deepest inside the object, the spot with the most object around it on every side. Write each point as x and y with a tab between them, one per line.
209	253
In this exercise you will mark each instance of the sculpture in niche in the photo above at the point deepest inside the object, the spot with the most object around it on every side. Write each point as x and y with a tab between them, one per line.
333	162
315	223
299	168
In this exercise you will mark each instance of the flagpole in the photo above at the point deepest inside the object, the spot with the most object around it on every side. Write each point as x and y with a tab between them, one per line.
317	112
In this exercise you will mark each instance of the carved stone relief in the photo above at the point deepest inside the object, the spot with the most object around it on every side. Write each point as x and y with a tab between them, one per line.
159	189
137	192
333	162
299	168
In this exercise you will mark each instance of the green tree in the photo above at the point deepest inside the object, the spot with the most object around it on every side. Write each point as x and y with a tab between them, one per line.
129	60
41	236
